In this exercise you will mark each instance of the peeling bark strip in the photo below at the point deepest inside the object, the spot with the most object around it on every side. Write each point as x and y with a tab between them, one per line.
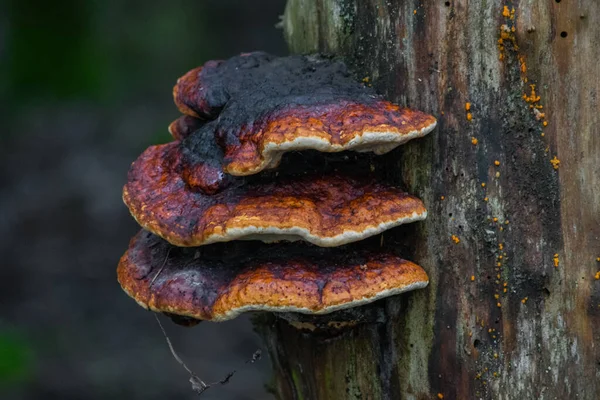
513	309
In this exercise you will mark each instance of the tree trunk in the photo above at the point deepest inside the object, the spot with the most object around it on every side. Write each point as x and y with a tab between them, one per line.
513	307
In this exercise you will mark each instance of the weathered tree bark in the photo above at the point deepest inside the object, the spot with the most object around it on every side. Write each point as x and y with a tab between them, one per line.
513	308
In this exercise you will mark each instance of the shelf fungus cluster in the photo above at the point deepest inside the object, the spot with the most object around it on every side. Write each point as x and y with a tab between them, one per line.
227	229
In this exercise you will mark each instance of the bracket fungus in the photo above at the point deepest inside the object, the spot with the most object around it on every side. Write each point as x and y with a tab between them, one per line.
221	281
326	210
240	116
260	106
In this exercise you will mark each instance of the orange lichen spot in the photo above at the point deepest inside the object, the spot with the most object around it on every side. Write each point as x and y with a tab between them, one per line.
469	117
598	259
474	141
543	134
545	123
472	278
455	239
496	163
483	184
495	355
555	162
501	228
440	396
498	276
366	79
523	64
506	222
505	290
467	106
501	246
499	305
538	114
442	197
496	296
597	276
533	97
506	12
499	264
485	199
415	12
495	219
524	300
555	260
500	257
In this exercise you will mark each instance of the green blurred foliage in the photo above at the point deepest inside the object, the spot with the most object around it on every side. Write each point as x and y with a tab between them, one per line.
16	364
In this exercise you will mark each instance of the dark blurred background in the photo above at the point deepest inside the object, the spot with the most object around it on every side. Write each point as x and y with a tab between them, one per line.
85	86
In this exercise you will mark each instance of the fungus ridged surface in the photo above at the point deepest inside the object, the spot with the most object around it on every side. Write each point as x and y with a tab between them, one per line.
221	281
328	210
259	106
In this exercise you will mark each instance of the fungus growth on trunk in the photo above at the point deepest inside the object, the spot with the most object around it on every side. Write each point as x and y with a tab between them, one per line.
213	184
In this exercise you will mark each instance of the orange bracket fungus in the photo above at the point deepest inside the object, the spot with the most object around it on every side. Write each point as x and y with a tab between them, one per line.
261	106
212	184
219	282
326	210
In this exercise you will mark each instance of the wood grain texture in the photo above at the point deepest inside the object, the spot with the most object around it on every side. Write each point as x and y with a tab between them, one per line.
539	339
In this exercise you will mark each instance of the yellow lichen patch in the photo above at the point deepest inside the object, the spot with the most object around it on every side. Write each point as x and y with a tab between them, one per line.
598	259
555	162
455	239
555	260
472	278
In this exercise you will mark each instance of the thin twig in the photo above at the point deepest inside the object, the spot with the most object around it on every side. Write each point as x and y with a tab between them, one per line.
160	269
198	385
